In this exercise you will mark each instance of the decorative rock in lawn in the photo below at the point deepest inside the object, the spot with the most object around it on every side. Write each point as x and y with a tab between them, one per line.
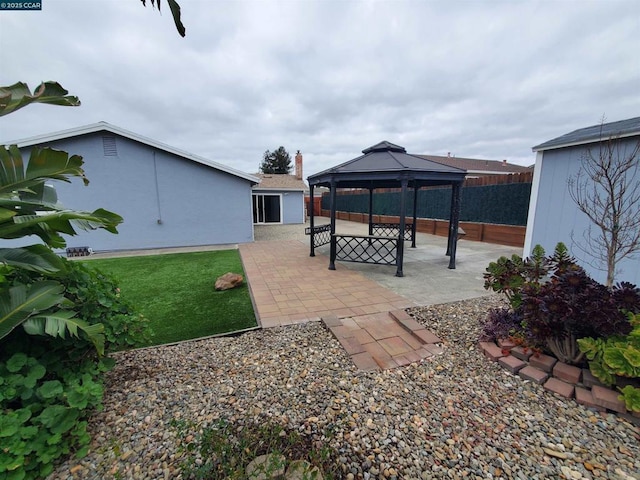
228	281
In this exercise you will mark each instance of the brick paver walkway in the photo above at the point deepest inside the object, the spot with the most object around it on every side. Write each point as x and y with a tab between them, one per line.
288	286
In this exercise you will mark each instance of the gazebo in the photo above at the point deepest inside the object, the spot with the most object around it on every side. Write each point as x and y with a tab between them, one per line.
384	165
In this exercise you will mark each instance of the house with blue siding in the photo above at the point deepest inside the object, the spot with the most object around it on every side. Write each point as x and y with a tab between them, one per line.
553	215
167	197
279	198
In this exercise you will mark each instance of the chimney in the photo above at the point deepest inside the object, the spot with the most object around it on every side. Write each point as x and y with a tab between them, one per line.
504	163
298	165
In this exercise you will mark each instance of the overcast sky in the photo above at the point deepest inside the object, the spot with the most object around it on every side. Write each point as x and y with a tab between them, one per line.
481	79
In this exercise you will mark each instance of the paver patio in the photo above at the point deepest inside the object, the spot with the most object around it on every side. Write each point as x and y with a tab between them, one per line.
288	286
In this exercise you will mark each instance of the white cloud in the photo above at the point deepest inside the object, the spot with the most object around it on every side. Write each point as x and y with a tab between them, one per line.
478	79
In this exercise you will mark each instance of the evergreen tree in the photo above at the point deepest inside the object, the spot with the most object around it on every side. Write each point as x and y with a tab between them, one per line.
278	161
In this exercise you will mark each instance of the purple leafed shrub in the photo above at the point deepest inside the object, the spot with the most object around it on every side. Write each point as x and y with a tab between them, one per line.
501	323
572	303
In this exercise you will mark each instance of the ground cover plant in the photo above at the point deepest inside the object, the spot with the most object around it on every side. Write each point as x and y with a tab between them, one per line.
176	293
226	448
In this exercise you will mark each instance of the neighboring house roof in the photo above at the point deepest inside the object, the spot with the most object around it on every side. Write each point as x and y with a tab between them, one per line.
107	127
602	131
476	166
273	181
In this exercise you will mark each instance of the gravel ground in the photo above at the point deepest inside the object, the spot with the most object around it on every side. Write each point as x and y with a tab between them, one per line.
456	415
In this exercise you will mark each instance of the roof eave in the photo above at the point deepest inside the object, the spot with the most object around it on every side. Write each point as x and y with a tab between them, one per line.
104	126
543	146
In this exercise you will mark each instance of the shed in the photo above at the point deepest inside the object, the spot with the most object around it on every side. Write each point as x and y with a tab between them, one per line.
167	197
386	165
553	215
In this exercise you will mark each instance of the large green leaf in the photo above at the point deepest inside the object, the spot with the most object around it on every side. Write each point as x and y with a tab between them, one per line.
49	224
36	258
18	95
44	164
57	324
20	302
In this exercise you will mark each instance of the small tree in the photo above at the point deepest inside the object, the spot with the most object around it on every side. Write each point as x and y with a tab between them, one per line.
607	190
278	161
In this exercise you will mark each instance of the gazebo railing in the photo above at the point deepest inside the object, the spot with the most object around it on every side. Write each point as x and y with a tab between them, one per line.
365	249
321	235
392	230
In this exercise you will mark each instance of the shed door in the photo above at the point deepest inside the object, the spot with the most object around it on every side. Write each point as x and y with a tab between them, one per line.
266	208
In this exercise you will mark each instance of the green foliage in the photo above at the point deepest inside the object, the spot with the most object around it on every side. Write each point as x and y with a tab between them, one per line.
631	397
229	447
19	95
277	162
45	406
616	356
556	302
511	275
58	380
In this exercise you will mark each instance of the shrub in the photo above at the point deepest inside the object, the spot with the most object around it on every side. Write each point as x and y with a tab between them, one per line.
50	385
556	302
501	323
617	356
224	449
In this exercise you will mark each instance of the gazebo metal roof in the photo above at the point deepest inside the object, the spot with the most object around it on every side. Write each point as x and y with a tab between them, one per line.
384	165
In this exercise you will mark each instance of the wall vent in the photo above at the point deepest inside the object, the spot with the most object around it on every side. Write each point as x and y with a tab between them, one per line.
109	146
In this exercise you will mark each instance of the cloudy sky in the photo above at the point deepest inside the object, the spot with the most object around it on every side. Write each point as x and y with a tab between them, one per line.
482	79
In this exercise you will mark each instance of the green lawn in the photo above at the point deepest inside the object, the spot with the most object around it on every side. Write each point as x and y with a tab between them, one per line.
176	293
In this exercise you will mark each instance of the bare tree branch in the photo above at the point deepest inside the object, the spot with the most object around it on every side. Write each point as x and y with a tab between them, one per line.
607	190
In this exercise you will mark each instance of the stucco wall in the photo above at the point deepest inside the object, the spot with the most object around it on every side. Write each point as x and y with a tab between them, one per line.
555	215
165	200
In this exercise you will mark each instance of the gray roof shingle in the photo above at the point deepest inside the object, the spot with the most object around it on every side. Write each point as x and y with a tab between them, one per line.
622	128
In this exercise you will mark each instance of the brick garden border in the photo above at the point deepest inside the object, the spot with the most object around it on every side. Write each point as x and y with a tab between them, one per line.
565	380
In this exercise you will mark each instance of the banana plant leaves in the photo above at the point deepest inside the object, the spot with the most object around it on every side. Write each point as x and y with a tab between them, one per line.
36	258
29	207
18	95
20	302
58	323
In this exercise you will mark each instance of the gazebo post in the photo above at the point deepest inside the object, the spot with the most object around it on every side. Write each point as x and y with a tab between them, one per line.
451	208
332	253
453	229
311	224
415	216
403	208
370	210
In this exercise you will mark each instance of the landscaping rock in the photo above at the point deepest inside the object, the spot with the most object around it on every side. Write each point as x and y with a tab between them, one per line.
266	467
228	281
303	470
453	415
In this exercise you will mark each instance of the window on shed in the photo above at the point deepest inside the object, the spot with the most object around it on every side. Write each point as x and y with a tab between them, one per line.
109	146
